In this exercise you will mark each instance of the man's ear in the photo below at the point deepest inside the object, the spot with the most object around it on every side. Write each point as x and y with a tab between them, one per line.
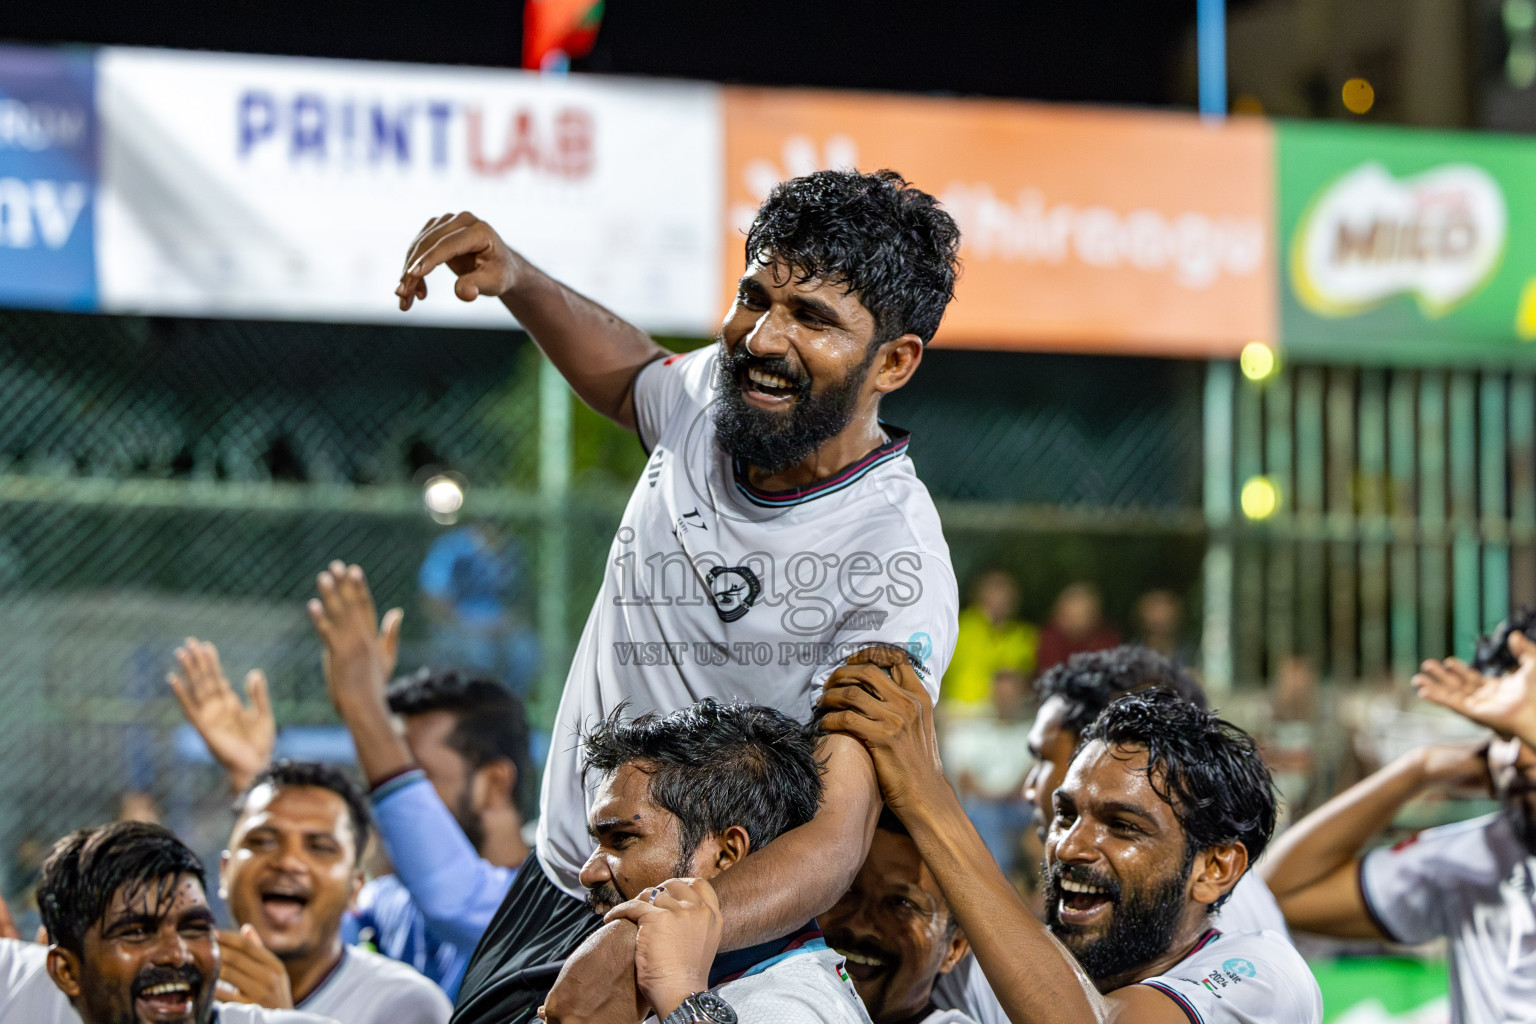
898	364
959	945
1216	871
729	847
493	785
64	969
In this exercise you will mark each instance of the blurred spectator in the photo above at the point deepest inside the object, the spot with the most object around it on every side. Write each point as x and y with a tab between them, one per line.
1159	618
1287	744
988	759
1077	625
991	639
471	583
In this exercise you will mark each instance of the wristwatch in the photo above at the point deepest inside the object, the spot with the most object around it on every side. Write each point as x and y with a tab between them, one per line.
702	1008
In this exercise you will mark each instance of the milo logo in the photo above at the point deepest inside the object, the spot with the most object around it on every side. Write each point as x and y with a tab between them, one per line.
1368	236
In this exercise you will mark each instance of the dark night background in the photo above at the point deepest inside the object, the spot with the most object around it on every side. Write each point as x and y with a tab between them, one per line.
1104	51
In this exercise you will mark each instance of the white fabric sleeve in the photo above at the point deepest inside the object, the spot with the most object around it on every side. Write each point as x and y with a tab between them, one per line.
665	387
243	1013
419	1004
1403	886
1257	978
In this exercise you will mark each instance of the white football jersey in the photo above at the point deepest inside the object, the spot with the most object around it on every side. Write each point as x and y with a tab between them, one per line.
715	589
29	996
803	986
367	988
1246	978
1474	883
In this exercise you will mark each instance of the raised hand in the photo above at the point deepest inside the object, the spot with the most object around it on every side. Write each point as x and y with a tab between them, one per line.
239	736
360	651
360	654
1505	704
251	973
470	247
680	928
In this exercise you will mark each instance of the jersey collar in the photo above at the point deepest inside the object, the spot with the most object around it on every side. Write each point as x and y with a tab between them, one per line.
845	477
755	959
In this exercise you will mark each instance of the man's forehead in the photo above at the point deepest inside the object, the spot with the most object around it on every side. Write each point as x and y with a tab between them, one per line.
624	792
1047	723
1113	773
157	897
776	273
295	808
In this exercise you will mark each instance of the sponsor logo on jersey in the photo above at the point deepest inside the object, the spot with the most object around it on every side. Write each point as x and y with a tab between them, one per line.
734	588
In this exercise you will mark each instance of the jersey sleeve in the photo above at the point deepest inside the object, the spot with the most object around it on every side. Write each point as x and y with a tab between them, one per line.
1257	978
919	612
965	989
456	889
419	1004
1404	887
668	386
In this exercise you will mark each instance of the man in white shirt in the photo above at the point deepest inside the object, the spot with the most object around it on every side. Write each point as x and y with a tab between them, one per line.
779	526
1472	882
680	799
133	939
1160	811
291	871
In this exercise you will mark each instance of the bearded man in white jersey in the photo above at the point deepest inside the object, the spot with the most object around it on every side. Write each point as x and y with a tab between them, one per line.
1469	883
778	528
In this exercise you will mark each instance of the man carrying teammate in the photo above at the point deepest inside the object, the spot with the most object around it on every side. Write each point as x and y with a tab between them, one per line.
778	528
1160	812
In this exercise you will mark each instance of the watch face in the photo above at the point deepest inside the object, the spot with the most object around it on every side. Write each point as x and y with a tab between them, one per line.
715	1008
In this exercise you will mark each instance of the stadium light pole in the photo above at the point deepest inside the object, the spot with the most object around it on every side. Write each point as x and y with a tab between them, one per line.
1220	382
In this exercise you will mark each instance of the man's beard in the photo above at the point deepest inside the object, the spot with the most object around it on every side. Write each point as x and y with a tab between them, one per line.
1141	926
771	441
603	898
469	822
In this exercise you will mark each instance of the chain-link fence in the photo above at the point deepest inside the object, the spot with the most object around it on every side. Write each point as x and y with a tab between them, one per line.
165	478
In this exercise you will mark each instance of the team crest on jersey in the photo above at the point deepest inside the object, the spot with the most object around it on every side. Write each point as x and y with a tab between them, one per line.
734	588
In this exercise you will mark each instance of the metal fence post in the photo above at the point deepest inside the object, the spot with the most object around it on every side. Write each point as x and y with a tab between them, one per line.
1216	633
554	547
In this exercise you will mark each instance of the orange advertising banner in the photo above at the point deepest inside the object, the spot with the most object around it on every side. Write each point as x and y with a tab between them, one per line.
1082	230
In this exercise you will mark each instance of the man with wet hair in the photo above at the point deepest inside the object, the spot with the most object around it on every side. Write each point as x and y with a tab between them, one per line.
1468	883
133	938
680	799
779	527
1162	809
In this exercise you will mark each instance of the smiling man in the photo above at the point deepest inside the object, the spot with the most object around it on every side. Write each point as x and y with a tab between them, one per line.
779	527
1161	809
896	931
680	799
133	938
291	871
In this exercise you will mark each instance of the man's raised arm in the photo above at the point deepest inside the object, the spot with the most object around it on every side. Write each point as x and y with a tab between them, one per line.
598	352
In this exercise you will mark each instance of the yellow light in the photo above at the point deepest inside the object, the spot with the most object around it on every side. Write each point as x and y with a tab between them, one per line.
1257	361
1359	97
1259	498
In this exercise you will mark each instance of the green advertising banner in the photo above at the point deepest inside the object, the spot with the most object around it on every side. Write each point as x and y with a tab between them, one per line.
1406	246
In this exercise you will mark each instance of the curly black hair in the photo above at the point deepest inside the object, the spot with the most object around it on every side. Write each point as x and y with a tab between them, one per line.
1207	769
1088	682
86	868
716	765
489	722
1492	656
887	242
321	776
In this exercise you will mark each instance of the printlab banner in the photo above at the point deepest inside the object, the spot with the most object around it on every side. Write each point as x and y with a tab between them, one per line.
47	178
291	188
1407	246
1086	230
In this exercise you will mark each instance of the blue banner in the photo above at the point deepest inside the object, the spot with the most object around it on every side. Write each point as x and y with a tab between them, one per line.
48	176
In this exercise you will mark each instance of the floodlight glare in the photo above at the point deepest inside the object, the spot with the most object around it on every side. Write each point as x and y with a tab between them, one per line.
1257	361
444	497
1259	498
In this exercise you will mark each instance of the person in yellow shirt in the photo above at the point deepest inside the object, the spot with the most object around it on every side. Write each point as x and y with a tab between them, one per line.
991	639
